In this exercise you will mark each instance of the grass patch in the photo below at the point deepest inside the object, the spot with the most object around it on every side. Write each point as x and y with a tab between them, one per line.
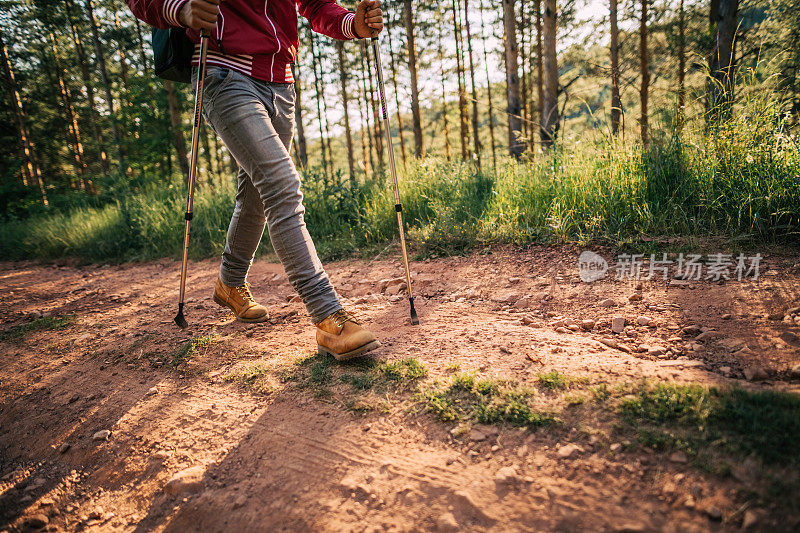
553	380
736	182
403	371
191	348
469	397
38	324
250	376
763	423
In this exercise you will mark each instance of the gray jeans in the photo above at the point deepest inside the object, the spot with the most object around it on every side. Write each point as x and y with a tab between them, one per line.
255	120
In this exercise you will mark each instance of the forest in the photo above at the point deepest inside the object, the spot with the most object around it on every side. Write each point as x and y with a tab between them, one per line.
595	325
524	121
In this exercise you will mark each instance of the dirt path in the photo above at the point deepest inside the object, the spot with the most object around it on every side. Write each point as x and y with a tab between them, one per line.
235	433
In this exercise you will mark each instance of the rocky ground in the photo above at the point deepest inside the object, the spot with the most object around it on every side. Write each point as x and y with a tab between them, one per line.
113	419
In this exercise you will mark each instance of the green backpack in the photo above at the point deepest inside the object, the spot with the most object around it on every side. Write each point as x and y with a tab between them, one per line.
172	54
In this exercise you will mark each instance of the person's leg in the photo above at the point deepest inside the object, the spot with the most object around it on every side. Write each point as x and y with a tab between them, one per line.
241	110
244	233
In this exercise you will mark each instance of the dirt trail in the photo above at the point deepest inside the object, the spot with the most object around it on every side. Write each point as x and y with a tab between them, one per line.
285	457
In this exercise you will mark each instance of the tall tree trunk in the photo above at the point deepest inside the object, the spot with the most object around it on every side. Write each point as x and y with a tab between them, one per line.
345	101
462	92
177	130
72	120
378	125
616	102
89	88
363	119
644	66
476	141
489	103
443	77
515	146
412	69
368	102
723	60
681	64
101	63
550	119
302	146
207	154
33	171
539	69
397	99
123	67
523	78
318	91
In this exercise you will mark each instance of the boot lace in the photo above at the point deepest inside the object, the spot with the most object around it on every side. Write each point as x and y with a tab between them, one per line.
244	292
341	316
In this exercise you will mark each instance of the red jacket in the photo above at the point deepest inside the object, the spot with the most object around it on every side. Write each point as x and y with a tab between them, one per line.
255	37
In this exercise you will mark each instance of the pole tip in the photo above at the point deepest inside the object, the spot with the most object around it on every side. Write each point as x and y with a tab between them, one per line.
180	320
414	318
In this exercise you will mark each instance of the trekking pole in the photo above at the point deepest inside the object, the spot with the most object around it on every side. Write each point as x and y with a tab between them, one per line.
180	320
397	206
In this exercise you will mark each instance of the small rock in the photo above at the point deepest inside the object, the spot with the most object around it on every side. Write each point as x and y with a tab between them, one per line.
153	390
750	519
691	330
103	434
64	448
678	457
775	316
186	481
678	282
608	302
574	327
618	324
588	325
567	451
727	316
477	436
713	512
615	447
506	475
788	337
504	349
795	371
635	297
611	343
725	370
643	320
710	335
755	373
447	522
37	521
239	502
631	527
656	351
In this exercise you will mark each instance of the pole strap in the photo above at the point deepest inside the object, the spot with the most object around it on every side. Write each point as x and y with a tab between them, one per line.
188	216
398	208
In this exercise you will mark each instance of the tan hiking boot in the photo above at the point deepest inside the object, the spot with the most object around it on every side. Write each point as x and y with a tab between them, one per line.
240	301
341	336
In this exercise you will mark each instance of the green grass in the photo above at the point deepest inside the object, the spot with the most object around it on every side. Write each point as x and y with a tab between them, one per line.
403	370
763	423
468	397
188	349
738	182
38	324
